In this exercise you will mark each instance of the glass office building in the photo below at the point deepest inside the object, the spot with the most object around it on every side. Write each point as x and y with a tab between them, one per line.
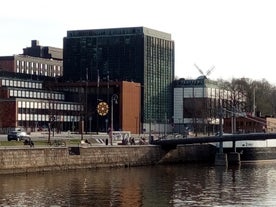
137	54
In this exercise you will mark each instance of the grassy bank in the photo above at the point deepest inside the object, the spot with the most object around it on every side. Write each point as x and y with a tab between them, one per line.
41	143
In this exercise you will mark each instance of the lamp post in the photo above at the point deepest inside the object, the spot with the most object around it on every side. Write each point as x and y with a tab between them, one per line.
90	124
73	127
106	125
114	98
136	124
50	124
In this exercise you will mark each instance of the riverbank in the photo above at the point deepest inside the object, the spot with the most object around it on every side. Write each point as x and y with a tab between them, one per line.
42	159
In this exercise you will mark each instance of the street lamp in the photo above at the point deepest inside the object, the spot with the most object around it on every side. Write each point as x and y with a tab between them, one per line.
114	98
106	124
73	127
136	124
50	124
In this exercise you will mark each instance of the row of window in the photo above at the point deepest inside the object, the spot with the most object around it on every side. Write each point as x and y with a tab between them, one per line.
37	65
21	84
51	73
49	105
35	94
47	117
205	92
38	68
216	93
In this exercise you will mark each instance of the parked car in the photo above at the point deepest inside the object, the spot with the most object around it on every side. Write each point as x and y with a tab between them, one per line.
17	135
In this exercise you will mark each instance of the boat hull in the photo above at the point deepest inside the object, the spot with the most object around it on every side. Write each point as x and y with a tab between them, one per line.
255	153
252	150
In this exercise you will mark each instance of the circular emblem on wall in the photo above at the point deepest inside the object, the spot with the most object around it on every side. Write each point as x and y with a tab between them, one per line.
102	108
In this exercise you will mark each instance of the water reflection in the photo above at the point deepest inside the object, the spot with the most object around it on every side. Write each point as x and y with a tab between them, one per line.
178	185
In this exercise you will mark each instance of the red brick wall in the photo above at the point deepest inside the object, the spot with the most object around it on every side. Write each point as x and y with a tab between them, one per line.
4	93
7	65
8	114
130	108
244	125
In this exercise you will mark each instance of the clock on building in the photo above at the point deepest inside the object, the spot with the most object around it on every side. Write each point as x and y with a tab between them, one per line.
102	108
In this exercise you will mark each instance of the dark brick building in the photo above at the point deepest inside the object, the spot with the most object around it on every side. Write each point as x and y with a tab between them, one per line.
43	51
126	109
137	54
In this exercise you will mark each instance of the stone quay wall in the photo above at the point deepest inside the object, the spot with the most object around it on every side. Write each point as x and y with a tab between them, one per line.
25	160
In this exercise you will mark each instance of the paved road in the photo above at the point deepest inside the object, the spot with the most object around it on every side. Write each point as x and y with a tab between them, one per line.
63	135
100	138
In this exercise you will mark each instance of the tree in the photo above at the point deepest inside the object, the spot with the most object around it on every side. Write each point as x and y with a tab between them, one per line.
260	95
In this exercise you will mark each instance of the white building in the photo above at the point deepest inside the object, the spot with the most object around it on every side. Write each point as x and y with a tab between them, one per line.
198	104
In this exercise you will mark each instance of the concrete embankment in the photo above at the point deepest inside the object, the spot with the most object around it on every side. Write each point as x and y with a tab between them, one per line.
25	160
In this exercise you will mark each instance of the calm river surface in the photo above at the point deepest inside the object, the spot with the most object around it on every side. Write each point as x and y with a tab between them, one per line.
251	184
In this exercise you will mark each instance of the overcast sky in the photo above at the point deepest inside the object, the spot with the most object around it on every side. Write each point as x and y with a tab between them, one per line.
238	37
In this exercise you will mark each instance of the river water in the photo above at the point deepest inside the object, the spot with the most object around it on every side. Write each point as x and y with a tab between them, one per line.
251	184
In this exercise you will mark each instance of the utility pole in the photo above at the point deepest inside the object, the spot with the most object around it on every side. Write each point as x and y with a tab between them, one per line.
220	129
98	85
114	98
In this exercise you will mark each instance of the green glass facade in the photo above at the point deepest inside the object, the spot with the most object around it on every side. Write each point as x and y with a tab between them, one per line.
136	54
